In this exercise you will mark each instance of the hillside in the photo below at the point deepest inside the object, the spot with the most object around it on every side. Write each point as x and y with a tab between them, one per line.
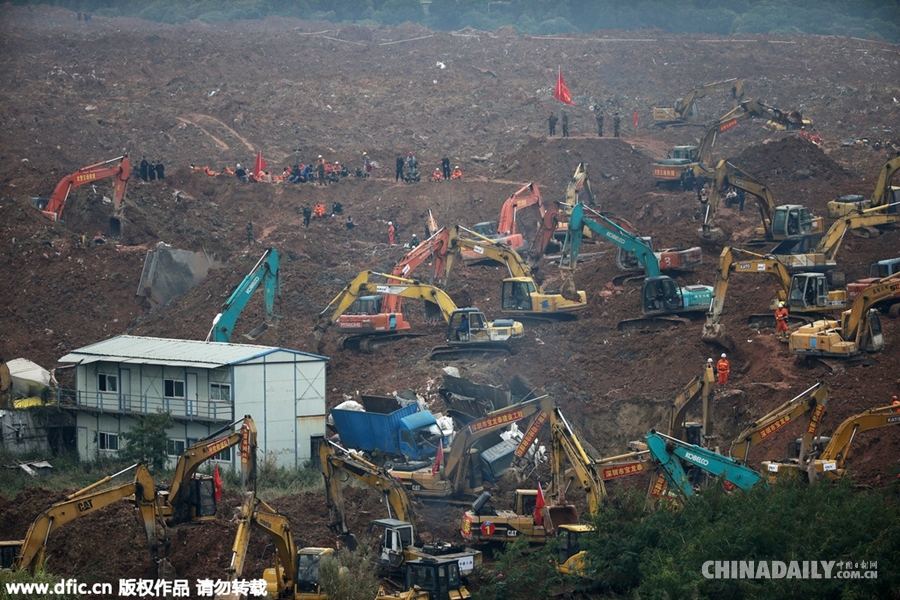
77	93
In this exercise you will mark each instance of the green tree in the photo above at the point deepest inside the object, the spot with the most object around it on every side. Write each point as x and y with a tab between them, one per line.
348	575
147	439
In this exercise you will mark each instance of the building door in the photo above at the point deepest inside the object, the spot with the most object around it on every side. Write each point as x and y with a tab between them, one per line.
192	395
125	390
83	443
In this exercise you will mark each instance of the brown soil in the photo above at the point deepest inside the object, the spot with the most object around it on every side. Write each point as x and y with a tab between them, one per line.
77	93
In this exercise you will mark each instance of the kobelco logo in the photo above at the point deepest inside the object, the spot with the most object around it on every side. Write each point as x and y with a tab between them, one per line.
696	459
615	238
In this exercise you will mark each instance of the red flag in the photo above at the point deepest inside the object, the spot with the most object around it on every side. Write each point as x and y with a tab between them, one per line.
439	459
538	505
217	483
260	164
562	92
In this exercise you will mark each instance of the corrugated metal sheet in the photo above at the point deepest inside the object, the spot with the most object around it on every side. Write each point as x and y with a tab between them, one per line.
192	353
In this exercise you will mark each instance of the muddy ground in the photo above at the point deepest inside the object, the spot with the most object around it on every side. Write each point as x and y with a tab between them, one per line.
78	93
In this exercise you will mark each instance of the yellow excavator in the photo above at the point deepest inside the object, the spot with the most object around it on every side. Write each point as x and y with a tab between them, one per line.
817	253
685	110
537	521
191	497
802	293
884	193
813	401
460	475
778	222
89	500
858	330
833	459
467	331
520	295
400	542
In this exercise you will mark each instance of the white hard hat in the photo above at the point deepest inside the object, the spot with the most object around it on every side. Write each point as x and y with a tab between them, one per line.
708	360
781	304
320	156
390	222
723	355
239	165
456	167
365	153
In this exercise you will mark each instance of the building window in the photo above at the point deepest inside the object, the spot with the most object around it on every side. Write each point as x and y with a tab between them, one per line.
174	388
107	383
175	447
107	441
220	392
223	455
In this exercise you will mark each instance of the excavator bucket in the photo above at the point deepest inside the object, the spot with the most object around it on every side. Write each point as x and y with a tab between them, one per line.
557	515
715	334
257	332
567	288
165	570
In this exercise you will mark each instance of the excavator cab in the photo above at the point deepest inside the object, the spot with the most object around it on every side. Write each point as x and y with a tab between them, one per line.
808	290
571	559
661	295
486	228
306	579
366	305
439	577
627	261
516	294
791	219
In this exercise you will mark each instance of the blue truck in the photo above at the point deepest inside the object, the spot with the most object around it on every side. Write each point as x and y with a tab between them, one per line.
388	427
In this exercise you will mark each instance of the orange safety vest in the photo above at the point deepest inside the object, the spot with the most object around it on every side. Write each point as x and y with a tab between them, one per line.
781	314
457	174
722	366
320	210
210	172
437	175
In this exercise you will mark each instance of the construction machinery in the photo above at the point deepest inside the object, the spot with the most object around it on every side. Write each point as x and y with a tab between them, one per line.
430	579
803	293
265	272
520	295
400	541
505	231
668	452
373	320
295	574
660	295
537	521
467	328
884	193
460	475
685	109
685	164
778	222
832	461
813	401
580	182
119	167
191	497
89	500
858	330
878	270
817	252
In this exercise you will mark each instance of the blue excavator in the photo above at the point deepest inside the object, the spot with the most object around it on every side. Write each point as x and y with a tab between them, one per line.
266	273
668	453
660	294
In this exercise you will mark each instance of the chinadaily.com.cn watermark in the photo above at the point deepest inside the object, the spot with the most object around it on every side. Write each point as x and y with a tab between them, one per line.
794	569
141	588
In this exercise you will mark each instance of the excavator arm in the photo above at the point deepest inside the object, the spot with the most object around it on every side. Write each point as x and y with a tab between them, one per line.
830	243
580	182
265	272
702	387
119	167
174	506
485	247
334	458
668	453
684	106
528	195
884	193
612	231
834	456
853	320
566	444
813	401
89	500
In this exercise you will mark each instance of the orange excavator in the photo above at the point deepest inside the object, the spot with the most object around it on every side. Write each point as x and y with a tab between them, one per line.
374	319
505	230
119	167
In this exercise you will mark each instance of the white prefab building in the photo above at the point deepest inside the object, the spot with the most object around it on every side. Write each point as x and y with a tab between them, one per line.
204	386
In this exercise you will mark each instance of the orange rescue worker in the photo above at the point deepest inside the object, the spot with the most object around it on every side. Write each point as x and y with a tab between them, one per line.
723	367
781	320
457	173
209	171
319	210
437	175
391	233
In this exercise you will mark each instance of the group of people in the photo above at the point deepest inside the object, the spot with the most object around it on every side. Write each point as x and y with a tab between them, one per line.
552	120
149	171
318	212
721	369
443	172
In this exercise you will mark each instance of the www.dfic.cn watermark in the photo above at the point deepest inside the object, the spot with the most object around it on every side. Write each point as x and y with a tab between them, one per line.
795	569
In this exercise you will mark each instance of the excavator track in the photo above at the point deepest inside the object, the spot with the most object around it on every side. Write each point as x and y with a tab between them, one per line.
768	320
483	350
648	324
369	344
